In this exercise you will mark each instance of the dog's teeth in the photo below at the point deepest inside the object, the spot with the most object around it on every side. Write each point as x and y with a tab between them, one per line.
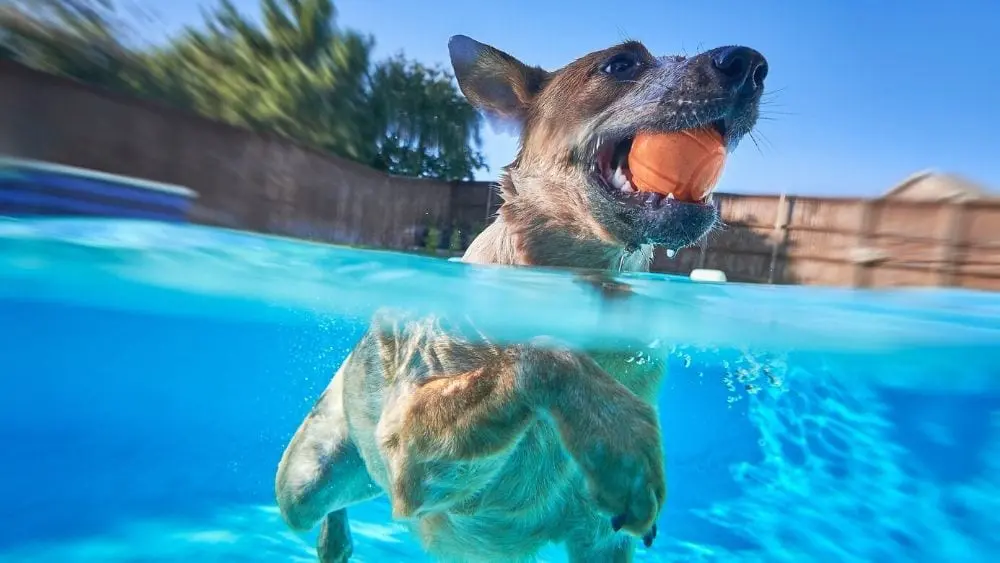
671	253
618	180
671	196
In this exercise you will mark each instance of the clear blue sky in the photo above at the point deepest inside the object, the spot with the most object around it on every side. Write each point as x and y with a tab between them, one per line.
871	90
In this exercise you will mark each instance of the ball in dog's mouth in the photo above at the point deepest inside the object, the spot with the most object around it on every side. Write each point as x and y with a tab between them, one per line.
662	183
653	168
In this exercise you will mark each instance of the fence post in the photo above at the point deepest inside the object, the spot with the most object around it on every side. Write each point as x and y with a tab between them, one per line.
779	236
862	266
953	238
489	203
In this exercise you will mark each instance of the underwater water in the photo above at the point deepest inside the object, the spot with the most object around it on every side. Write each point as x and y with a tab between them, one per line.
153	375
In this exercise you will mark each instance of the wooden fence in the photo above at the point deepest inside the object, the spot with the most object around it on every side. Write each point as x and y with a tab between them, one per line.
244	179
851	242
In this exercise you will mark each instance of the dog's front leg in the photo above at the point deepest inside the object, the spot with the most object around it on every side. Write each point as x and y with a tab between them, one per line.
452	418
609	431
321	473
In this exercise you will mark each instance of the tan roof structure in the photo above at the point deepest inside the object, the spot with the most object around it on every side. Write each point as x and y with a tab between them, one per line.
930	185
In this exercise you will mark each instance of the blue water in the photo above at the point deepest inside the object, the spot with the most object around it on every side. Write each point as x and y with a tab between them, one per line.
153	375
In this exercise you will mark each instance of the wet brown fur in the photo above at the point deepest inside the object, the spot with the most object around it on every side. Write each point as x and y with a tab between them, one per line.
490	452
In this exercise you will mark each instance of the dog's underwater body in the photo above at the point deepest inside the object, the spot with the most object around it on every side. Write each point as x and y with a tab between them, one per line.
488	451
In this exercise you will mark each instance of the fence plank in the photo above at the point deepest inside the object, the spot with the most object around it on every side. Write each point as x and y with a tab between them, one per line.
955	235
780	235
861	264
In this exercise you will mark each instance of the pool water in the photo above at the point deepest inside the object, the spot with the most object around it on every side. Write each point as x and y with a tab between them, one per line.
154	373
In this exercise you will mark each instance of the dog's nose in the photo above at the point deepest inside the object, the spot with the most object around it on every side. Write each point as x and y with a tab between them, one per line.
740	67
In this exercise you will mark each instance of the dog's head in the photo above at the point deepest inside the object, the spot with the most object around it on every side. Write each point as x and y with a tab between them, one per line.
577	125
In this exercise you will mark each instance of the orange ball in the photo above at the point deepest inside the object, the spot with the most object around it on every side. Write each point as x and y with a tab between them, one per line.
684	163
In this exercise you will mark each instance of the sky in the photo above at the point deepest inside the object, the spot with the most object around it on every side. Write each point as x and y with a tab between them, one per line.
867	92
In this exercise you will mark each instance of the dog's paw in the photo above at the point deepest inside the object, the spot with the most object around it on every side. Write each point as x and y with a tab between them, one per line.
624	466
334	543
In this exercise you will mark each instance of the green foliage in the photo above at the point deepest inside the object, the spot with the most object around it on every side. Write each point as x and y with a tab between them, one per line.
423	122
455	241
79	39
433	240
296	74
475	229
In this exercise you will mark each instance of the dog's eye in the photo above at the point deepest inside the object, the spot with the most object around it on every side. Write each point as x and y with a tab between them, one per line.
621	66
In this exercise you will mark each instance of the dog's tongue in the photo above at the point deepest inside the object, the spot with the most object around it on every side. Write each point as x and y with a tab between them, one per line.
686	164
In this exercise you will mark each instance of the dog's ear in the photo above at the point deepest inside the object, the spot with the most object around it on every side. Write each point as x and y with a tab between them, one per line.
494	81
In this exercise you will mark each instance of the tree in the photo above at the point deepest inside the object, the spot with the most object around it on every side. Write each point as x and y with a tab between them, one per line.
75	38
84	40
297	75
424	125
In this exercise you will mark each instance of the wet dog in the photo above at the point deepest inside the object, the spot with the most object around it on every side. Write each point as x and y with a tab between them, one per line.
490	451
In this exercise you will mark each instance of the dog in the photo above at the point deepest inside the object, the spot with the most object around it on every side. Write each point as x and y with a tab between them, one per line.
491	451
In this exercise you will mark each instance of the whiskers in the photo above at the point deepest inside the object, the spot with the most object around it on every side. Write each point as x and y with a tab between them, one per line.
768	101
720	226
758	138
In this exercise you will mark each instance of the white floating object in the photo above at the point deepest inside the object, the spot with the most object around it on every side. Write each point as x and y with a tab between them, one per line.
705	275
